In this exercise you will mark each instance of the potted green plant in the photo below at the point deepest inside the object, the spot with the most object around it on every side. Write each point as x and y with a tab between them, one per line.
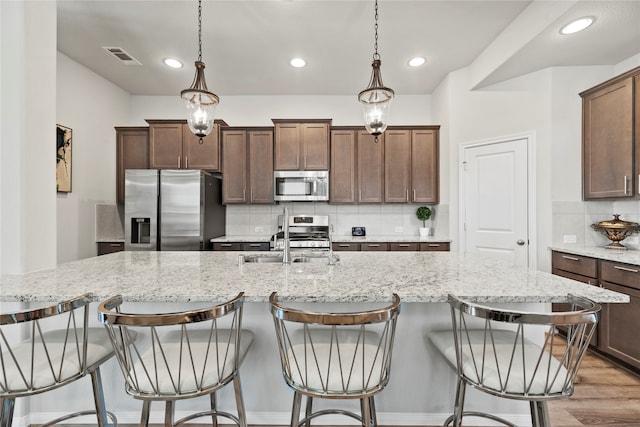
424	214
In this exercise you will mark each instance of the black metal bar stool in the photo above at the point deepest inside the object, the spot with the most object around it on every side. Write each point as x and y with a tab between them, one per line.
51	357
180	355
335	356
489	350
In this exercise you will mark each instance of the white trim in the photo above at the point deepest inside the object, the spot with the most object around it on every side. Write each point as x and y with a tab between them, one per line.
530	138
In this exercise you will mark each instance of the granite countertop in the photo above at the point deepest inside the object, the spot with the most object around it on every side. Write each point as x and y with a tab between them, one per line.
418	277
335	238
629	256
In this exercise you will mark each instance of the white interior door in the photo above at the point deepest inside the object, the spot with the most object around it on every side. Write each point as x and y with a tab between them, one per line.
496	199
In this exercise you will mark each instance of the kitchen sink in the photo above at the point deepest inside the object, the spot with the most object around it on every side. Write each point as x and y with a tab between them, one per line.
260	258
277	258
316	259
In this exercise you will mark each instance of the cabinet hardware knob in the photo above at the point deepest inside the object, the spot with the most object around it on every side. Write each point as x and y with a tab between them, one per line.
186	162
403	245
178	162
570	258
630	270
625	184
433	245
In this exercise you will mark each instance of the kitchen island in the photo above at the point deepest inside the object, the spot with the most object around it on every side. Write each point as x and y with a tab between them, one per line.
421	388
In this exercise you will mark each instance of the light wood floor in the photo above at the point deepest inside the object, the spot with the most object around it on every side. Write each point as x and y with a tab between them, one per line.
605	396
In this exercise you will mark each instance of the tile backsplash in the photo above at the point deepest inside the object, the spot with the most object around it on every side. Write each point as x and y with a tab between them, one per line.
396	219
575	219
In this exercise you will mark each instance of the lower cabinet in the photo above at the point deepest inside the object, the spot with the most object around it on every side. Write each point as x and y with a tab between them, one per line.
391	246
110	247
240	246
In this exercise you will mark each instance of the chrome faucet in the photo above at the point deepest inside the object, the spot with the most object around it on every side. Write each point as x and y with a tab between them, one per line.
286	252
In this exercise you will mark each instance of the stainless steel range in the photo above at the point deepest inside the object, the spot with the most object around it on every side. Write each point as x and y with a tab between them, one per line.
305	232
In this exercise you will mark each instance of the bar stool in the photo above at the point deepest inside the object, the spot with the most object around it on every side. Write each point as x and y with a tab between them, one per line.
179	355
489	350
51	357
335	356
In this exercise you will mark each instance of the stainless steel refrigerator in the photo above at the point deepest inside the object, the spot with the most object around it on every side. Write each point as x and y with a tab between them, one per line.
172	210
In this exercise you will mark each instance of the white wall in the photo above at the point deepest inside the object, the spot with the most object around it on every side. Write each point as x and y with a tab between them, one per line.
91	106
27	84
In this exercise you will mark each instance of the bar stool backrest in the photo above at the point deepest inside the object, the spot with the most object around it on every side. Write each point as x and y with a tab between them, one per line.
339	355
498	357
176	355
55	351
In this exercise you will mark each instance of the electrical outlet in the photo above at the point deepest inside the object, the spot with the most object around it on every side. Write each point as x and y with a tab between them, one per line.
398	229
259	229
569	238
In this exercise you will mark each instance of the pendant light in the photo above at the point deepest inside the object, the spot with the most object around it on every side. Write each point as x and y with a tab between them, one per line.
199	101
376	98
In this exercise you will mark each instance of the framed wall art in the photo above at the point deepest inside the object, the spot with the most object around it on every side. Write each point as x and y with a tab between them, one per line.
63	159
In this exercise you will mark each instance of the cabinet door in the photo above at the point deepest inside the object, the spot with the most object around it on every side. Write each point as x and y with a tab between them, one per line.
370	168
132	152
287	146
425	170
345	246
234	180
260	166
619	326
608	142
315	145
105	248
342	178
165	146
205	155
637	134
435	246
374	247
409	246
397	166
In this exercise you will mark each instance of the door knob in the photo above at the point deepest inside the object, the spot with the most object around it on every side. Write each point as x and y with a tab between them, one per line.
520	242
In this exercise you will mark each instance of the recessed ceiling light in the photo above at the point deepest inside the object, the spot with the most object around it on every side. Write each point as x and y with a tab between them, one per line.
577	25
173	63
298	62
417	61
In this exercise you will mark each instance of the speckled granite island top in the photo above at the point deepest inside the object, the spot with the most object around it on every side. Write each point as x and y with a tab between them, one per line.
420	277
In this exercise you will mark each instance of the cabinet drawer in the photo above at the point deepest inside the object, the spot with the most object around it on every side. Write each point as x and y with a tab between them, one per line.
414	246
255	246
435	246
374	246
231	246
619	337
109	247
577	264
622	274
346	246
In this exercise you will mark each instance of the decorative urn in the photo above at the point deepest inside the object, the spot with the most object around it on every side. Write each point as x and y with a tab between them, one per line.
616	230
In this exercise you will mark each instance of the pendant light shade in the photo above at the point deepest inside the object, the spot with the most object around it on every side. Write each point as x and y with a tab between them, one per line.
376	101
199	101
376	98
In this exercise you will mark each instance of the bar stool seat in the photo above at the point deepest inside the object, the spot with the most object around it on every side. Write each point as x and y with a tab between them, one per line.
335	356
51	357
180	355
490	349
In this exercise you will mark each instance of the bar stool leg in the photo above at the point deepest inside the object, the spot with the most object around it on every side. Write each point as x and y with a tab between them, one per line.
98	398
308	410
374	417
146	410
295	411
366	412
214	417
169	412
459	405
539	414
239	401
6	417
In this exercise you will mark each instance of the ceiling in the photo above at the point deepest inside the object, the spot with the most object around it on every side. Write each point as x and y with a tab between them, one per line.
247	45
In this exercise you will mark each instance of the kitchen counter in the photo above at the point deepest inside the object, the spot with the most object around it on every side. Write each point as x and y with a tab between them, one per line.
628	256
419	277
336	238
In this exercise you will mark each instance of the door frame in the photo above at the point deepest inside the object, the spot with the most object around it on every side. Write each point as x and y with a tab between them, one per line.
530	140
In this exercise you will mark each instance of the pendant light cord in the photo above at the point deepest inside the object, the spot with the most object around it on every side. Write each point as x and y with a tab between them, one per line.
375	45
200	30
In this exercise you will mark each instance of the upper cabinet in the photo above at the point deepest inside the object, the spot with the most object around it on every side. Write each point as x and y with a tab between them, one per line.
172	145
357	166
610	156
248	160
301	144
132	152
411	165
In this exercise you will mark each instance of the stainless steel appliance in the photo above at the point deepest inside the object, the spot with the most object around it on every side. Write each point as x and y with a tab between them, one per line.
305	232
172	210
301	186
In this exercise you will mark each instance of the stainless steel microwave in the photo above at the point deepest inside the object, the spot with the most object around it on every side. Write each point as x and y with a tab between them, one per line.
297	186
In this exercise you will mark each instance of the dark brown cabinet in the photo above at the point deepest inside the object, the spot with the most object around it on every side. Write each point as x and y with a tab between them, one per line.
172	145
247	156
411	158
105	248
301	144
609	168
391	246
132	152
436	247
240	246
